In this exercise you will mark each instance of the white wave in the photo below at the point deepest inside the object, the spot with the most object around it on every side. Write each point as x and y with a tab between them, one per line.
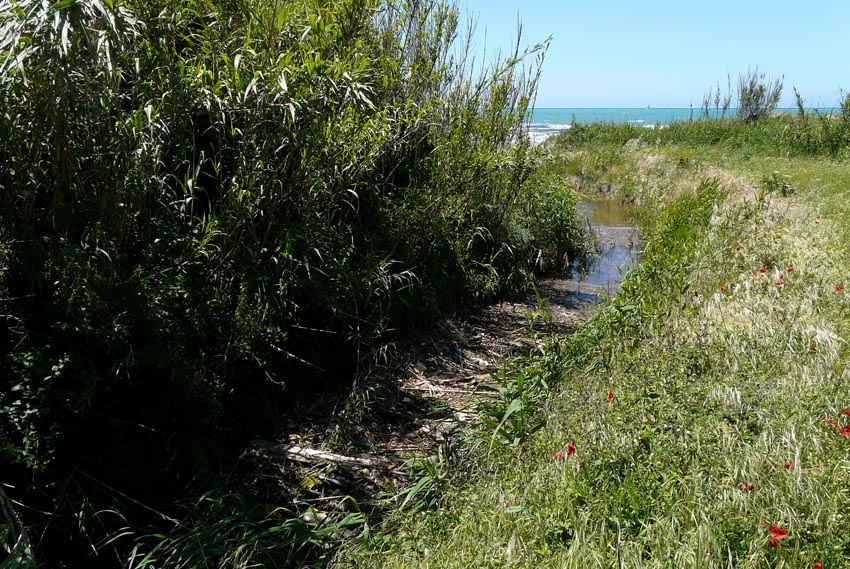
550	126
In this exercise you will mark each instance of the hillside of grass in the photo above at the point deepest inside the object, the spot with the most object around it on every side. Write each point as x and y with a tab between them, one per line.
702	417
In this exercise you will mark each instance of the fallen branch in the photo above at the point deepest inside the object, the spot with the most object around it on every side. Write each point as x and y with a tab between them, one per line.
301	454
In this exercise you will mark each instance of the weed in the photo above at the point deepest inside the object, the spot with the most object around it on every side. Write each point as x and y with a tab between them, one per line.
777	185
226	531
512	415
429	479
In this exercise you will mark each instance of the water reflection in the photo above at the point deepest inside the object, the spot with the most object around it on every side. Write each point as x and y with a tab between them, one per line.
618	244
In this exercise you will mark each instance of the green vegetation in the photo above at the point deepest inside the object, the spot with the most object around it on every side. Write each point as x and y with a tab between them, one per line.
213	208
701	418
754	129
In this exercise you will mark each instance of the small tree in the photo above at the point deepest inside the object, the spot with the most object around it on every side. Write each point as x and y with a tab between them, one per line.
757	95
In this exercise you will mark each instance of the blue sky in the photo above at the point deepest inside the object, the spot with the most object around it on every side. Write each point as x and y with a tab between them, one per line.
618	53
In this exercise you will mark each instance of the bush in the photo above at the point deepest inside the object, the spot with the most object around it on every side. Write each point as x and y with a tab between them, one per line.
757	96
209	204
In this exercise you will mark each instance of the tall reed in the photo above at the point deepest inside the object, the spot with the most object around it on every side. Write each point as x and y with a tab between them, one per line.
207	205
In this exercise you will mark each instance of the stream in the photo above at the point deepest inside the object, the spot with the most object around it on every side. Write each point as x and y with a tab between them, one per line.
614	229
446	373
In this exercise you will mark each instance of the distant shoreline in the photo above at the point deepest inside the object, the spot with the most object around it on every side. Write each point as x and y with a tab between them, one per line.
546	122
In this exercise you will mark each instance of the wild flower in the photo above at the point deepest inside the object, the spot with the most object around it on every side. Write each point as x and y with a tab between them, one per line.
747	486
722	288
790	269
839	288
813	348
845	432
571	450
847	412
787	465
610	396
762	270
559	455
830	422
777	534
779	282
817	565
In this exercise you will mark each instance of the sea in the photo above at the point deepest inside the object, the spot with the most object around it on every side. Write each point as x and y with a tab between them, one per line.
546	123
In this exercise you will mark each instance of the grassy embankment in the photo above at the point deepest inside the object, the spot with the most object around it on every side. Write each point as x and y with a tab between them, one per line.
701	418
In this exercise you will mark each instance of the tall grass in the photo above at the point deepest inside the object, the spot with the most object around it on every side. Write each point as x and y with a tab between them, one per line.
755	126
809	134
207	206
701	420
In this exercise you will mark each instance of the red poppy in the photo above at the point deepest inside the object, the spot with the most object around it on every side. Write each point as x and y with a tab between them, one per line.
779	283
721	287
778	532
772	542
839	288
830	422
787	465
817	565
845	432
610	396
571	450
763	271
814	348
747	486
847	412
559	455
790	269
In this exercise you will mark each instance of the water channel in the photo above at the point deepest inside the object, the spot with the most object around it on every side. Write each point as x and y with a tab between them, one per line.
614	230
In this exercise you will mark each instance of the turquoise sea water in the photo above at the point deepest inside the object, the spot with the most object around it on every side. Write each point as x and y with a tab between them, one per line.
548	122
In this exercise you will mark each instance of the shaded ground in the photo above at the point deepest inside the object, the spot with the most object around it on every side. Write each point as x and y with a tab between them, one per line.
435	384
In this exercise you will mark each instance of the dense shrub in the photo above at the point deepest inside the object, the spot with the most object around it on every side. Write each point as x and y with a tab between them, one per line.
209	203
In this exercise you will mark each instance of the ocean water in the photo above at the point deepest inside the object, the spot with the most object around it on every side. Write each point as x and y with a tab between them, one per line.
546	123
